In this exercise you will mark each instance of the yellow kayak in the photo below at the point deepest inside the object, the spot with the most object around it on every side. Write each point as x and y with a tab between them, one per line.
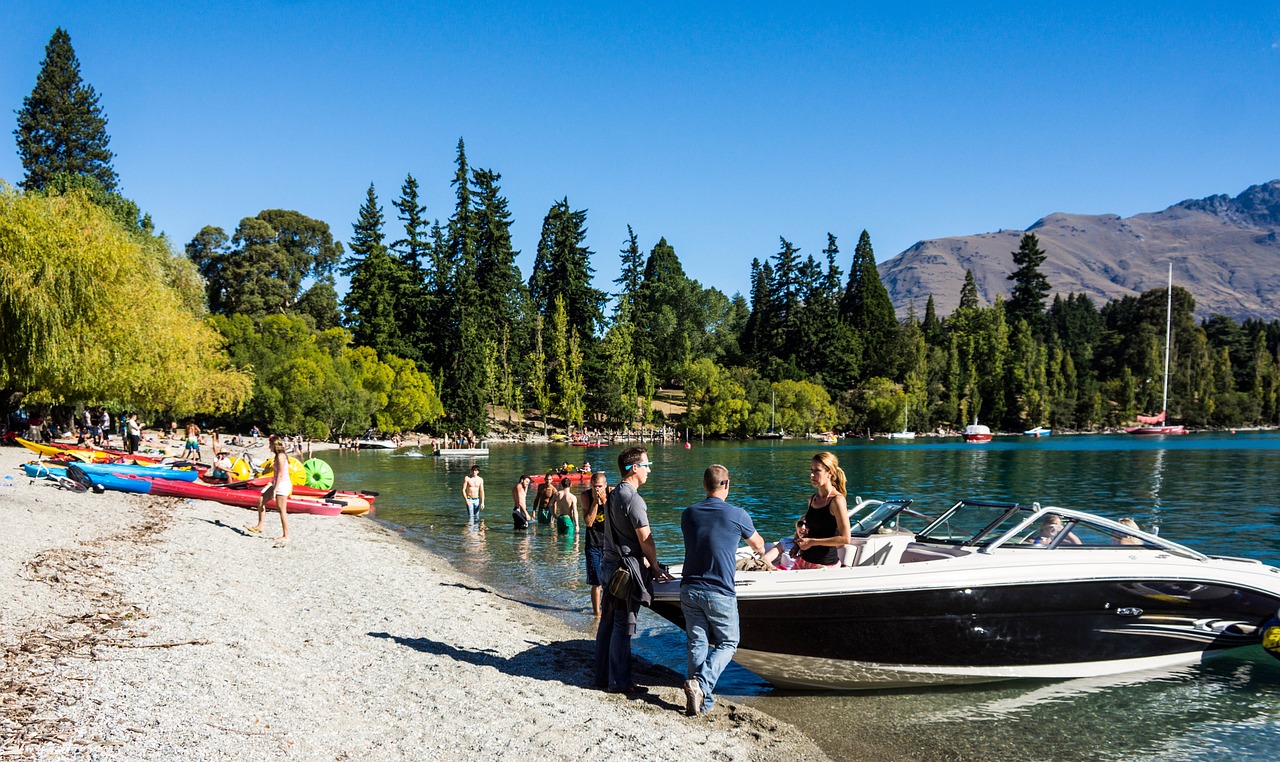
49	451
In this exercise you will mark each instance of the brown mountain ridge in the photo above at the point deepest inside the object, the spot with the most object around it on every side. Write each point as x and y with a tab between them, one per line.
1224	251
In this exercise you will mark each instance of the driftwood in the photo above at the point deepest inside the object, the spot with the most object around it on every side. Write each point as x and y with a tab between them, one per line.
35	664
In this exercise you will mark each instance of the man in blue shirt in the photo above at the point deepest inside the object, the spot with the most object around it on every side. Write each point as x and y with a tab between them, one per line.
712	529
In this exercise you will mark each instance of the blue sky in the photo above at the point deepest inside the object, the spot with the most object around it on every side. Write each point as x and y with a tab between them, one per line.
718	126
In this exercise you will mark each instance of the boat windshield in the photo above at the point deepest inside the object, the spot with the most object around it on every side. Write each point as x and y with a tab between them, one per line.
974	522
889	516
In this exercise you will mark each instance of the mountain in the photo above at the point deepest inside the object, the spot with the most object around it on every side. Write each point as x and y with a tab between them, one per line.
1224	251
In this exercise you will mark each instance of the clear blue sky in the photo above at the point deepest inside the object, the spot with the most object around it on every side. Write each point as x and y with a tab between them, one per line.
721	127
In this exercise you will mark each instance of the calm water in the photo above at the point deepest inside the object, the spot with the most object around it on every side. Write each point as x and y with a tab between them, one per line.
1216	493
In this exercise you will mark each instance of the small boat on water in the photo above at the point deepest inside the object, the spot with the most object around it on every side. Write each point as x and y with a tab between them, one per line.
976	432
463	452
980	594
1037	432
375	444
1158	425
906	433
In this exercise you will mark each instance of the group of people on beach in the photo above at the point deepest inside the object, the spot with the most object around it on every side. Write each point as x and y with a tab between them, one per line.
622	558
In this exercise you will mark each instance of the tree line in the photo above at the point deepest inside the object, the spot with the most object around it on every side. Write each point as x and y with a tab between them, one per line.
439	329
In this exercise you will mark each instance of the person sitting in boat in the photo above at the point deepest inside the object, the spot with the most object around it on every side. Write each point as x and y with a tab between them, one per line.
784	553
1050	528
1128	539
827	517
221	469
585	467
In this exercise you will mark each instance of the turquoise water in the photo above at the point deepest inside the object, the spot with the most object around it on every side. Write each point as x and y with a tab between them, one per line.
1216	493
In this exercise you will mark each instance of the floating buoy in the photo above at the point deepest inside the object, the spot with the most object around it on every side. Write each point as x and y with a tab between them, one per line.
687	445
1271	636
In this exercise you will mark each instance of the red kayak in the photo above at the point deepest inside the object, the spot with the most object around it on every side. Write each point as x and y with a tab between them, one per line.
302	490
574	477
245	498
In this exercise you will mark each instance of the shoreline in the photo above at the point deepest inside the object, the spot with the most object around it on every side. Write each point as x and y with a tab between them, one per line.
155	628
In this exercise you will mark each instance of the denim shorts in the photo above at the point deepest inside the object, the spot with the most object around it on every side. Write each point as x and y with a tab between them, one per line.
595	566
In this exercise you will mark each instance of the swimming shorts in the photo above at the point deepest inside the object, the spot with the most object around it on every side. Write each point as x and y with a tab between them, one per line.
564	525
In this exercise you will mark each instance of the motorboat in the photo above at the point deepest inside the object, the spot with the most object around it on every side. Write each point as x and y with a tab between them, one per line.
376	444
979	594
976	432
1037	432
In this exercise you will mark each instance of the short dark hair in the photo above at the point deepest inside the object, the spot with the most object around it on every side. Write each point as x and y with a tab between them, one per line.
715	477
474	467
629	457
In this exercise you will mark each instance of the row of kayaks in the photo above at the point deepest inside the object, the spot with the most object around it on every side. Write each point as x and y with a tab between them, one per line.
142	475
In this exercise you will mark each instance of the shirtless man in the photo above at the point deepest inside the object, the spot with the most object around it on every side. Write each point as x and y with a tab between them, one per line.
565	508
473	493
520	515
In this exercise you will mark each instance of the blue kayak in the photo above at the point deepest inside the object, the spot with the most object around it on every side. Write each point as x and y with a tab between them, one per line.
152	472
106	481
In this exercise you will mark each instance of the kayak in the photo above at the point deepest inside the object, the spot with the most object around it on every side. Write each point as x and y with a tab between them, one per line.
352	499
152	472
70	451
574	477
242	498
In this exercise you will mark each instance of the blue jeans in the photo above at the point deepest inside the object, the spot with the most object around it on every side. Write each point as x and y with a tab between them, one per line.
595	566
709	616
473	507
613	639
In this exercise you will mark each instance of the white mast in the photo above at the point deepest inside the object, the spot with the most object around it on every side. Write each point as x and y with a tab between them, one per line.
1168	325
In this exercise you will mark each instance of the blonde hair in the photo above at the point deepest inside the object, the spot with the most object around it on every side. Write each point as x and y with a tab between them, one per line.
277	445
830	462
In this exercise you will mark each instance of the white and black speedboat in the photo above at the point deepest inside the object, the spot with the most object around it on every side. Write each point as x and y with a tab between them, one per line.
978	595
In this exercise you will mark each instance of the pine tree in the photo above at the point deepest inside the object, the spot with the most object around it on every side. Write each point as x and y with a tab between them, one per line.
632	266
562	267
968	292
667	306
499	287
414	304
867	309
61	128
377	281
1030	286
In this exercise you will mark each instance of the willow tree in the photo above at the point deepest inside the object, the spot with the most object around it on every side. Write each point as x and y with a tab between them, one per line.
88	312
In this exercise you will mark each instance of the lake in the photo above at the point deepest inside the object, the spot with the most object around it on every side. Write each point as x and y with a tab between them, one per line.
1214	492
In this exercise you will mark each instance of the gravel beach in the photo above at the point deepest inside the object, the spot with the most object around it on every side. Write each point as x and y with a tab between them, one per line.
143	628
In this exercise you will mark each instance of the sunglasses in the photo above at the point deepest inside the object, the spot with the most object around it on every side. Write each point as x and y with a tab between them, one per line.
646	464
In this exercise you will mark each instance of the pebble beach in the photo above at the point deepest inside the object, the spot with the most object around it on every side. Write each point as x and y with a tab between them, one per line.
146	628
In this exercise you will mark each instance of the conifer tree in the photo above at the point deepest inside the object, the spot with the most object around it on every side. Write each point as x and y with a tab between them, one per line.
414	303
968	292
1030	286
668	310
61	128
377	282
562	267
867	309
632	266
499	287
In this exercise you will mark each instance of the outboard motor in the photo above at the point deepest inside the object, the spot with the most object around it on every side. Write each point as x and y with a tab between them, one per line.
1271	635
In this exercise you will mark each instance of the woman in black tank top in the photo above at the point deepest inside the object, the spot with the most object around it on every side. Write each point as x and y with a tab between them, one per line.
827	518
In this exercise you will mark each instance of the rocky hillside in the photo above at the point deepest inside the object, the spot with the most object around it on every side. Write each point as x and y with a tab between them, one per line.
1224	250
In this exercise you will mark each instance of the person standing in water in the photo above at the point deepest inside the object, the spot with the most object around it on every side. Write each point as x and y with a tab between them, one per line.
473	493
566	509
520	515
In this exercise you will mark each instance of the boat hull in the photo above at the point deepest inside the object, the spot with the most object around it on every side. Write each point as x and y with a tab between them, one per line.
1157	431
962	634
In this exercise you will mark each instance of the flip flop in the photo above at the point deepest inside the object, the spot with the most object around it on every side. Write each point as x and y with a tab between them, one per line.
252	529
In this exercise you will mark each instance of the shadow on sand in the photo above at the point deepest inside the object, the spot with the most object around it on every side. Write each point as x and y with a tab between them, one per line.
571	662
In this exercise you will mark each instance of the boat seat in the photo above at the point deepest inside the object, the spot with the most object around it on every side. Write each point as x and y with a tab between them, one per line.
883	550
848	554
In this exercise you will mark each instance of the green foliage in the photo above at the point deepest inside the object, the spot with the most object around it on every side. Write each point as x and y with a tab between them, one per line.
61	128
261	268
562	267
803	406
88	312
867	309
716	401
379	282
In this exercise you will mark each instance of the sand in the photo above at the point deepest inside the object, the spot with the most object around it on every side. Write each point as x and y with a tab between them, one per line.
143	628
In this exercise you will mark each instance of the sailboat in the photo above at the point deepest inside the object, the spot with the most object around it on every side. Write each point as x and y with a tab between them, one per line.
772	434
906	433
1157	425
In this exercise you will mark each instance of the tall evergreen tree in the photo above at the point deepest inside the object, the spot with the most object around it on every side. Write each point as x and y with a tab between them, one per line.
867	309
633	261
499	287
562	267
414	304
377	282
1030	286
668	312
968	292
61	128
